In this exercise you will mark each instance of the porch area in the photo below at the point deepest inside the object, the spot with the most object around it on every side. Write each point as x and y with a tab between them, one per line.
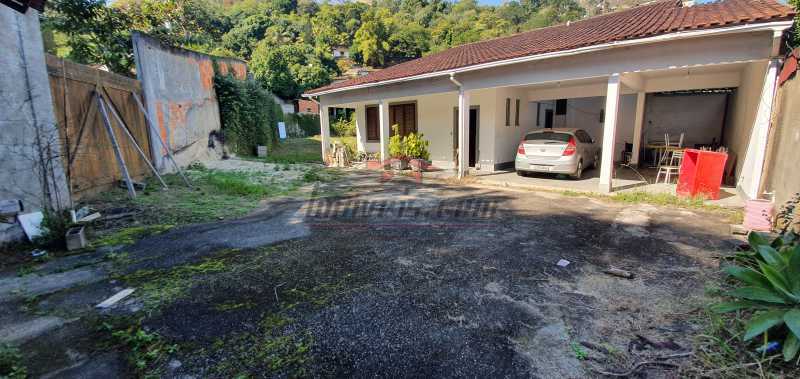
638	104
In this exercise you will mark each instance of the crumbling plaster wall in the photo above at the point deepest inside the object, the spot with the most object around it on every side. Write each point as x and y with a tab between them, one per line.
30	161
178	87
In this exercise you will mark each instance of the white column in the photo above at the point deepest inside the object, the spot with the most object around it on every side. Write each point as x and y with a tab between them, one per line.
383	116
609	133
361	128
463	133
324	131
752	171
638	124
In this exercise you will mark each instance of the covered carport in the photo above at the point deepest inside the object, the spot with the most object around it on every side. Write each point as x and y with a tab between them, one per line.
711	106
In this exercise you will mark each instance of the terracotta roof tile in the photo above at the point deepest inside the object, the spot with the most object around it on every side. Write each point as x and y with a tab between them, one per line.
654	19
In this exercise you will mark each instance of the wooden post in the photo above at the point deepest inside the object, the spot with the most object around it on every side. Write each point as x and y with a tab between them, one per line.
124	128
152	129
113	138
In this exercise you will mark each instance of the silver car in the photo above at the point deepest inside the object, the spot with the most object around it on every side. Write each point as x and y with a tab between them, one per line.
558	151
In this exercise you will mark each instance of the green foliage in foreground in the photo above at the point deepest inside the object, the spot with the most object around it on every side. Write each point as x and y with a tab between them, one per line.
147	351
769	286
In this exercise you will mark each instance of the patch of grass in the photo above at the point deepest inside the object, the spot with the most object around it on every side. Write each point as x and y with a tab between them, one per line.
128	236
661	199
158	287
26	270
296	150
578	350
272	349
147	351
11	363
235	183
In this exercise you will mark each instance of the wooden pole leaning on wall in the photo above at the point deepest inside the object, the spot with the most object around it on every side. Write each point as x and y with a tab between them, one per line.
106	99
151	126
107	123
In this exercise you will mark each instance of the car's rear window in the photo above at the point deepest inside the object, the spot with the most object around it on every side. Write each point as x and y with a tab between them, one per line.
547	136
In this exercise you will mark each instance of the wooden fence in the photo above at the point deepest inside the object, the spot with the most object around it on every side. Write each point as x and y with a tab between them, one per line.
88	155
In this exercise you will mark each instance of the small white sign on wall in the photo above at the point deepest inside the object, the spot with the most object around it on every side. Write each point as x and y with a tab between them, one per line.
282	130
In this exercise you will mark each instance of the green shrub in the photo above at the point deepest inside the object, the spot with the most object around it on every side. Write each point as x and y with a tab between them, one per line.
344	127
397	147
412	146
416	147
770	288
248	113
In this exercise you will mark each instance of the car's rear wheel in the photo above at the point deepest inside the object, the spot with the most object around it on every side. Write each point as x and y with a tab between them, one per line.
578	171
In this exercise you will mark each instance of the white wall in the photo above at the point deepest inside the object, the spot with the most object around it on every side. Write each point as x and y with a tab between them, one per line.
507	137
699	117
742	115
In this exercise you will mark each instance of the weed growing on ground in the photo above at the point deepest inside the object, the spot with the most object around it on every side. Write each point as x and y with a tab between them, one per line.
26	270
147	351
158	287
578	350
11	363
272	349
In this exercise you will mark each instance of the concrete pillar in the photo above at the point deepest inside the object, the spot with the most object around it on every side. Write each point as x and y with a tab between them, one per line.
609	132
638	124
324	131
361	128
750	182
463	133
383	117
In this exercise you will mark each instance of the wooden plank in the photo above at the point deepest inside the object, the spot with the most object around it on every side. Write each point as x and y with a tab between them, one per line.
86	74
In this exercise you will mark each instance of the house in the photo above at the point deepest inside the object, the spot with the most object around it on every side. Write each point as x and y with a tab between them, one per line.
340	52
307	107
706	70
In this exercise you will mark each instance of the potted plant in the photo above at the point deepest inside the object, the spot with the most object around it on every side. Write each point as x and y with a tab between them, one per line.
417	151
397	150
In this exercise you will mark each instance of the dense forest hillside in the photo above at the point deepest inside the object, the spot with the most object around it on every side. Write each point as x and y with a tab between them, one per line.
289	43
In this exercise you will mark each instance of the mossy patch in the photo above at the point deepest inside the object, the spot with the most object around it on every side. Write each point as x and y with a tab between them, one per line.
159	287
128	236
273	350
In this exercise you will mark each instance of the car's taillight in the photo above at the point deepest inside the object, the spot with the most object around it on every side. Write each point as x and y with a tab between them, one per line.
521	148
570	147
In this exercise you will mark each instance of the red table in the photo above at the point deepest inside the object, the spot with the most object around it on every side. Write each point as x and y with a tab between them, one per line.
701	173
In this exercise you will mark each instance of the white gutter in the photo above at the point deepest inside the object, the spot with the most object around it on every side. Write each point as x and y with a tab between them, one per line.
778	26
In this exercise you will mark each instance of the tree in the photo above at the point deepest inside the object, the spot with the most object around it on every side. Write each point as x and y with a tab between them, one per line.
244	36
95	34
370	43
289	70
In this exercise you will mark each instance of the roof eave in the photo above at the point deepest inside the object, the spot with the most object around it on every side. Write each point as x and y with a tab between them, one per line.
775	26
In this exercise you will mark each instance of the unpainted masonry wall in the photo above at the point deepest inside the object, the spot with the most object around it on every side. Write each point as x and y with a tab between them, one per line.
30	167
178	87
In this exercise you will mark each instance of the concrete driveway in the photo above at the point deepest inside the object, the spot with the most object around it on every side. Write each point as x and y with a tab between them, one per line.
398	278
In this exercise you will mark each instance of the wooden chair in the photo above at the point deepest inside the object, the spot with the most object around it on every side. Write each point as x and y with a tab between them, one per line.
672	167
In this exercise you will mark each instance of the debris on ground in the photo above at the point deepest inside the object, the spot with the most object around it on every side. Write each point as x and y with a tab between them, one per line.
116	298
619	272
563	263
31	224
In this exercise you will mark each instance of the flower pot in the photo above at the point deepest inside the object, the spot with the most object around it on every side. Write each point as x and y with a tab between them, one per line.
399	164
418	164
